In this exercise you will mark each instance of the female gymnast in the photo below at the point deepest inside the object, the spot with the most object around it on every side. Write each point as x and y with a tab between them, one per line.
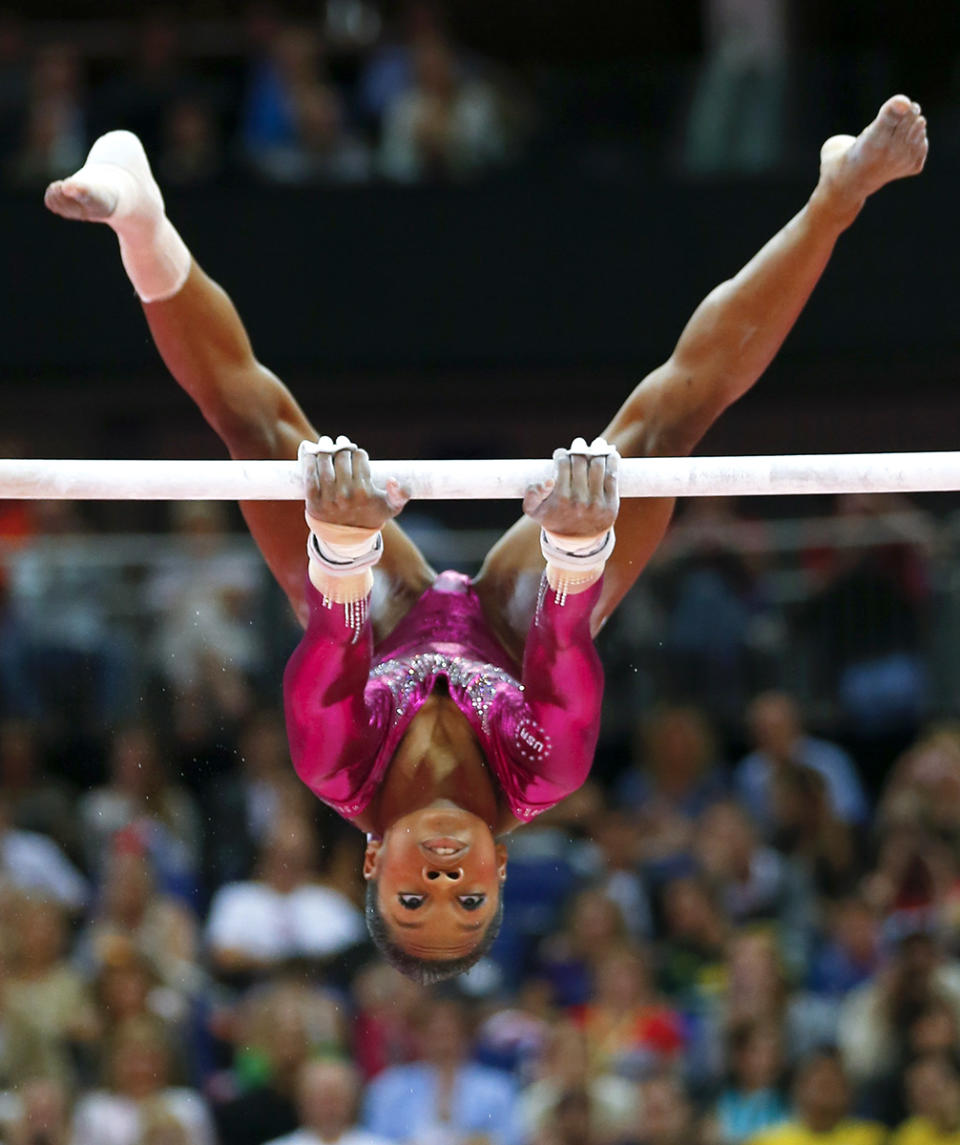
433	712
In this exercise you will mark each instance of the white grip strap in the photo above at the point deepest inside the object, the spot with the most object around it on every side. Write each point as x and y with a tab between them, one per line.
339	558
580	560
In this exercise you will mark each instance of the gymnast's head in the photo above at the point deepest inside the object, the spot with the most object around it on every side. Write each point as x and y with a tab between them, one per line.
434	891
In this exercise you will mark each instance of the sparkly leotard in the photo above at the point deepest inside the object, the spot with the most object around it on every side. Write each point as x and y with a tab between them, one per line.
349	706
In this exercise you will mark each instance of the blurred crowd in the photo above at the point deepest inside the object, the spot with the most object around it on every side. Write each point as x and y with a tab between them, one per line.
349	91
745	928
343	99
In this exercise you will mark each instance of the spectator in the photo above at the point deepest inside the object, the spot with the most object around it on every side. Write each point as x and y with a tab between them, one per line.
777	731
132	918
388	72
54	135
752	1101
822	1109
327	1097
513	1035
140	808
619	849
806	830
205	592
278	80
933	1094
443	1096
693	943
869	615
152	79
242	803
565	1068
324	149
571	1121
383	1026
138	1090
446	126
922	789
758	992
76	660
35	802
677	764
737	113
874	1017
284	913
128	988
849	953
191	152
676	779
568	959
667	1115
629	1029
45	999
42	1116
714	623
31	862
753	882
272	1049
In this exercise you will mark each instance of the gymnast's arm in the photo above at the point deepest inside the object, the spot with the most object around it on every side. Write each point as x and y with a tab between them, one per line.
562	676
563	686
333	736
328	724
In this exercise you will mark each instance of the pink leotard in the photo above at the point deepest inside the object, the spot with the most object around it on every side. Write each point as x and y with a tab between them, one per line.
348	705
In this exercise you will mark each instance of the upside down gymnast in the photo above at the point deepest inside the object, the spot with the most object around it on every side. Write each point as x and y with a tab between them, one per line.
433	712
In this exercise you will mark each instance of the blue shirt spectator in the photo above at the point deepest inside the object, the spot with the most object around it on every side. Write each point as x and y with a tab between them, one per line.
444	1093
781	741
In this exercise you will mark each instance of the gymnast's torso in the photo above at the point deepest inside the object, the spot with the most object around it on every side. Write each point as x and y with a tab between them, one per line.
350	704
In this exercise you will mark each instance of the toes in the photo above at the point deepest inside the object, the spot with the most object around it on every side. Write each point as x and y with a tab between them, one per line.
896	107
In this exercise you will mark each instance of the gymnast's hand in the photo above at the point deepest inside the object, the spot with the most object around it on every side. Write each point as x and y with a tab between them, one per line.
582	498
340	489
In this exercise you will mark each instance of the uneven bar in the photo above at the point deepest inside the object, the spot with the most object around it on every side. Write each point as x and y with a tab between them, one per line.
89	480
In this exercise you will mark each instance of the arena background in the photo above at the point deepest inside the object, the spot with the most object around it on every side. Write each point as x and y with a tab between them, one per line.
766	864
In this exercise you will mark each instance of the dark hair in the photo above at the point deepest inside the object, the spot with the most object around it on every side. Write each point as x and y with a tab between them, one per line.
425	971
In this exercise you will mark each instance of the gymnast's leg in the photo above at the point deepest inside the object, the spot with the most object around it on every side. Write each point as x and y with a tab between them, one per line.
205	346
726	346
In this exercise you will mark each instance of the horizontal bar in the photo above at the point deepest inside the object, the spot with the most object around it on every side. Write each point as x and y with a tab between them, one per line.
87	480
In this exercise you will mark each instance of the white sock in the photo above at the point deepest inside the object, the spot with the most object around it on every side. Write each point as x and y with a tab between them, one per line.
155	257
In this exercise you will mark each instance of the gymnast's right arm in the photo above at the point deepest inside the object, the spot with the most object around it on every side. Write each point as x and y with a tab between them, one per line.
333	735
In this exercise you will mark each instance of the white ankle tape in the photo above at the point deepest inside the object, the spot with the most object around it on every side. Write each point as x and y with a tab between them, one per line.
159	267
582	559
154	255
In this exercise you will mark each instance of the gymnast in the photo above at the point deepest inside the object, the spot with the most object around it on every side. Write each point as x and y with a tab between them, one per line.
433	712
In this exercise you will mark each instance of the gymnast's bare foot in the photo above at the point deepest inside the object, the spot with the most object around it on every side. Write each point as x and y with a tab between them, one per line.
892	147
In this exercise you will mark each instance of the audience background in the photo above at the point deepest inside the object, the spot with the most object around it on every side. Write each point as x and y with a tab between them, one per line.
746	927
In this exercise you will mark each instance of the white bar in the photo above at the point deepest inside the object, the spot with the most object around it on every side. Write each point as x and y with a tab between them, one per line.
86	480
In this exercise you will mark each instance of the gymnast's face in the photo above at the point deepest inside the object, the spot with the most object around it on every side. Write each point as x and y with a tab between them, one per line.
439	874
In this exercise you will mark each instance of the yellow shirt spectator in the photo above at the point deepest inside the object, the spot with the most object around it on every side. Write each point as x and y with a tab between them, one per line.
922	1131
843	1133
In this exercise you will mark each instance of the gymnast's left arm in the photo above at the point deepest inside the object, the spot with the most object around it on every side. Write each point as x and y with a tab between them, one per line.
563	683
562	675
333	736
